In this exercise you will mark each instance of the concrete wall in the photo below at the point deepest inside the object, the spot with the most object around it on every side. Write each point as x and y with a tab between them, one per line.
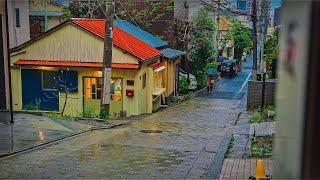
18	35
255	92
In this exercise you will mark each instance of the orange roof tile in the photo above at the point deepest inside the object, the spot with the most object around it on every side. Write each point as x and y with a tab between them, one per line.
121	38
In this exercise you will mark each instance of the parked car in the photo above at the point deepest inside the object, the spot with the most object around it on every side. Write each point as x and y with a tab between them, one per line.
192	79
220	60
229	68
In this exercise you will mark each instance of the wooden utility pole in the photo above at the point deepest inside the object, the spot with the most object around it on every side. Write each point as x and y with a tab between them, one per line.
218	26
254	18
107	54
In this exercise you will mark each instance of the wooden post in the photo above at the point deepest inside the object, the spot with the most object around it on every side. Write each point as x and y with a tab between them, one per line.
107	54
263	91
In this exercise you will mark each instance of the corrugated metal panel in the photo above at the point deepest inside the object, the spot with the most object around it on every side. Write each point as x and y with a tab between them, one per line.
121	38
172	53
73	64
140	33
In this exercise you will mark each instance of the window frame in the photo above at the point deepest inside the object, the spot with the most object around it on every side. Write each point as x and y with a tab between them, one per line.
17	17
42	82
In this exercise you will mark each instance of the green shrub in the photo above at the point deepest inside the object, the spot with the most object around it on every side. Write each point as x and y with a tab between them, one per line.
201	78
104	114
174	99
256	118
230	147
30	107
90	114
261	147
57	116
183	85
213	64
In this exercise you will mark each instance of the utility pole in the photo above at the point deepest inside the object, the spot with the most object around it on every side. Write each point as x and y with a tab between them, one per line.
254	18
107	54
218	35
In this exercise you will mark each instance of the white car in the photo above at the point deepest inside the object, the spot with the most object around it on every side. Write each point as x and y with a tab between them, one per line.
192	79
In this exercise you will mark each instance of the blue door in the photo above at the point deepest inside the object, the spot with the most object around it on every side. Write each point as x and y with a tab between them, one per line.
33	95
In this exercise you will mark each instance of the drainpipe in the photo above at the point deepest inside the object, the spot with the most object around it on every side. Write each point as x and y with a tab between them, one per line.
9	63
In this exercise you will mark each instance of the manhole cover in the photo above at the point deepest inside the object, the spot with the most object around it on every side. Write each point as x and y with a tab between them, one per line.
150	131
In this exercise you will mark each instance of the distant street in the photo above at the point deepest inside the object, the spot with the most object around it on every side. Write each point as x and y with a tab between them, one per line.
185	141
234	88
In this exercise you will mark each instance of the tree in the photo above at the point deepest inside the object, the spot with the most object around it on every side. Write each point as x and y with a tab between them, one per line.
271	47
242	40
224	40
85	9
201	48
144	14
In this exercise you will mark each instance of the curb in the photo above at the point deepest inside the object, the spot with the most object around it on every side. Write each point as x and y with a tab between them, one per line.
195	94
44	144
217	164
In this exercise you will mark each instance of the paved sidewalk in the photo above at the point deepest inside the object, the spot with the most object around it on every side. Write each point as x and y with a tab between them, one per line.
243	168
263	129
30	130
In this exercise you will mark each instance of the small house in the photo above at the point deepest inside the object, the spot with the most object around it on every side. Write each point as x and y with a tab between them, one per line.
170	59
60	70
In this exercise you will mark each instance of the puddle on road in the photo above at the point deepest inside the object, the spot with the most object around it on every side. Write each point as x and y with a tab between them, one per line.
121	161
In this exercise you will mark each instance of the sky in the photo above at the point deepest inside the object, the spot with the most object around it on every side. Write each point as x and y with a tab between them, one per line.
276	3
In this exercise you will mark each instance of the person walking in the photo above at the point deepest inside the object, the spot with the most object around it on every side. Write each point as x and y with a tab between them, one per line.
209	83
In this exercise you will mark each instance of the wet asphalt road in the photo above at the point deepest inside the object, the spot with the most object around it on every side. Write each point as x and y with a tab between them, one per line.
235	88
187	145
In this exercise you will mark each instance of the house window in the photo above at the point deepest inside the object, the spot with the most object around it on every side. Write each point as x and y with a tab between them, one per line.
37	25
93	88
144	80
130	82
17	12
49	80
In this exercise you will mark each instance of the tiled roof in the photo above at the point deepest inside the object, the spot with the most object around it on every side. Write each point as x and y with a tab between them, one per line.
74	64
172	53
155	65
121	38
140	33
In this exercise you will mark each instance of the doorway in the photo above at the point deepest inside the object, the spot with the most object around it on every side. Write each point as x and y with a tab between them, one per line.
93	94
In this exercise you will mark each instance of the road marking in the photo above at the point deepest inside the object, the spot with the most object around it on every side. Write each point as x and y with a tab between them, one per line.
244	84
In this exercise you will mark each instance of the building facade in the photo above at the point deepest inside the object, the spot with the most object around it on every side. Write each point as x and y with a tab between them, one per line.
19	27
72	52
43	15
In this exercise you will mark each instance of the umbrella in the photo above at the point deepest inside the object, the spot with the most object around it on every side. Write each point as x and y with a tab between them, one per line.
211	71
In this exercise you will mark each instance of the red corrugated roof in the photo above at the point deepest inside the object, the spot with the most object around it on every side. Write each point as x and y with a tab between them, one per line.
155	65
121	38
73	64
